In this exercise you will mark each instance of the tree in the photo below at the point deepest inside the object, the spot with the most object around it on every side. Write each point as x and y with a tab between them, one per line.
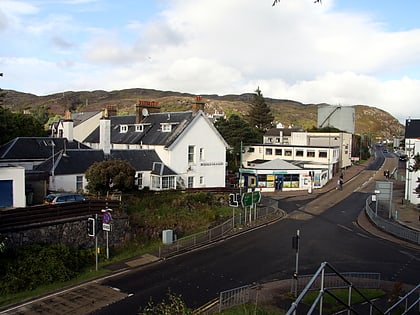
235	130
415	167
260	116
14	125
110	175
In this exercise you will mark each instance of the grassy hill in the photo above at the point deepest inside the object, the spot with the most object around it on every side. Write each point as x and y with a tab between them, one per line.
369	120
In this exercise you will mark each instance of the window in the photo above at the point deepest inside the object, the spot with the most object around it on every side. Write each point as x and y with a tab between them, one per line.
190	181
299	153
322	154
251	149
168	182
166	127
269	151
139	128
278	152
287	152
156	182
310	154
201	154
79	183
139	180
123	128
277	140
191	150
270	140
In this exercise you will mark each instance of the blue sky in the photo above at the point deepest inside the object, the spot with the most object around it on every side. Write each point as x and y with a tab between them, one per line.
343	52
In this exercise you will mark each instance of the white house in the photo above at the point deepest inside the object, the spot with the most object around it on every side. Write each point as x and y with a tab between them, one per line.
186	142
412	148
295	136
67	172
12	187
78	125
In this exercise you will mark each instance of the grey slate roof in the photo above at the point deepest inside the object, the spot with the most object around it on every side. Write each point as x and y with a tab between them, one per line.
78	161
277	164
80	117
152	133
36	148
412	129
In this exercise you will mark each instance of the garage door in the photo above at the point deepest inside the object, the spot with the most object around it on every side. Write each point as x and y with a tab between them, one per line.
6	193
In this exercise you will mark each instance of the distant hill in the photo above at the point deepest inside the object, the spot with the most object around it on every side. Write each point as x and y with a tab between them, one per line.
369	120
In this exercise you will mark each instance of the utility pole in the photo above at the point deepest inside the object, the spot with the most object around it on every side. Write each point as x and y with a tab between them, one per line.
295	245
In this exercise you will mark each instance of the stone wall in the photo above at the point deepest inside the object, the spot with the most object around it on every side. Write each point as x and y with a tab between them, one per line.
71	232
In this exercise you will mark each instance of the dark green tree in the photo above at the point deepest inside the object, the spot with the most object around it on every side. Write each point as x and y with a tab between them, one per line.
110	175
259	115
234	130
415	167
14	125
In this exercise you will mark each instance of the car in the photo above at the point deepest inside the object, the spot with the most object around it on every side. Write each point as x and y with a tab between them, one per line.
53	199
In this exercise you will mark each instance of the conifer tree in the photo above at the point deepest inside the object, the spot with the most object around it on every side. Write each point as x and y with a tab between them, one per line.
260	116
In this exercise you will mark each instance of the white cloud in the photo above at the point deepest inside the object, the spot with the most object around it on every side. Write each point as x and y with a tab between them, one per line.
296	50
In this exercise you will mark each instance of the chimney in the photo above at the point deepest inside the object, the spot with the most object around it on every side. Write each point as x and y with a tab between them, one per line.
68	126
144	108
198	105
111	110
105	135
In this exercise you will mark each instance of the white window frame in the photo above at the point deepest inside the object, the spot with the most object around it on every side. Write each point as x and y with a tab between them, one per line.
123	128
139	128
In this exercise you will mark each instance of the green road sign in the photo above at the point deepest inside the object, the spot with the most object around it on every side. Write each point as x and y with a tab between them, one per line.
250	198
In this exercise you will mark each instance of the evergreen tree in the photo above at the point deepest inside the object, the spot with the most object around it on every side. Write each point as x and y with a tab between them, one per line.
260	116
14	125
235	130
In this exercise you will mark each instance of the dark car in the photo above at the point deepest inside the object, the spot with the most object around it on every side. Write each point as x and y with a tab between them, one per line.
53	199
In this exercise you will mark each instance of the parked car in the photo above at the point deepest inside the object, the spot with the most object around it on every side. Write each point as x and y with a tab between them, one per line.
53	199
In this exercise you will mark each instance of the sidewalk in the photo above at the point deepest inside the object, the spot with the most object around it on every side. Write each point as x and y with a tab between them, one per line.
408	214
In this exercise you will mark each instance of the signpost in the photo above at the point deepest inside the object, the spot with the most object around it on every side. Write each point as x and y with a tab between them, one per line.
106	226
250	198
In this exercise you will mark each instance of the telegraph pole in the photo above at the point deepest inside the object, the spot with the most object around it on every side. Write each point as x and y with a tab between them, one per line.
295	245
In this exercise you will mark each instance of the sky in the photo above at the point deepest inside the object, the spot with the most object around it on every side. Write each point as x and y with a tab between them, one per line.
340	52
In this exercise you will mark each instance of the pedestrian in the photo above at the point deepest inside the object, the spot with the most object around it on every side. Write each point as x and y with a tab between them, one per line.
339	184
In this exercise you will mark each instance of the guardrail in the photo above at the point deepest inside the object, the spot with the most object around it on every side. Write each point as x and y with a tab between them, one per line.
239	222
391	227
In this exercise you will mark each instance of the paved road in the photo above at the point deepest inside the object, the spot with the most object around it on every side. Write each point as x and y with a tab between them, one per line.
329	232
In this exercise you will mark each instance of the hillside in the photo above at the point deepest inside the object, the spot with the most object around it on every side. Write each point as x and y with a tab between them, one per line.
369	120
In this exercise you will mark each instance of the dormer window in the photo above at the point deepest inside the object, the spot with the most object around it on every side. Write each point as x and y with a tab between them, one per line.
139	128
123	128
166	127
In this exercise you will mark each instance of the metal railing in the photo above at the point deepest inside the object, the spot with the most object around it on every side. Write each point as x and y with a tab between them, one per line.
371	280
318	281
407	303
239	222
390	226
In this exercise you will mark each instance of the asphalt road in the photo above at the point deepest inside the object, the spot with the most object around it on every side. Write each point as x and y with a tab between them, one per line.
327	234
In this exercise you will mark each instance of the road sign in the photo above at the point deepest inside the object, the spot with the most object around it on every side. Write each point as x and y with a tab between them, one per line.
250	198
106	217
106	227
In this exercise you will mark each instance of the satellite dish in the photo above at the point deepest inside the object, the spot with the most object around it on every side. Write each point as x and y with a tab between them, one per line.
145	112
